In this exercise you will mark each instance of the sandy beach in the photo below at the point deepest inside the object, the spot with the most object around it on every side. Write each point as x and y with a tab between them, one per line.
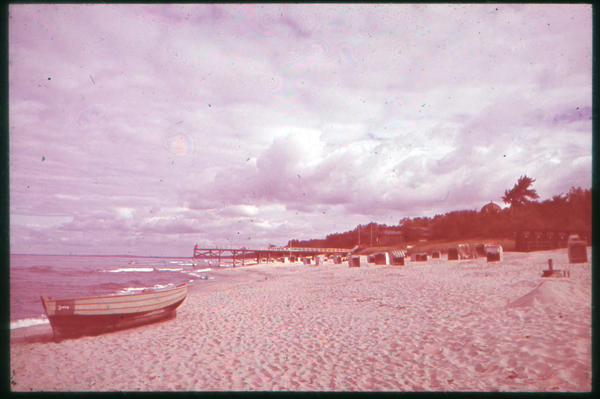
438	325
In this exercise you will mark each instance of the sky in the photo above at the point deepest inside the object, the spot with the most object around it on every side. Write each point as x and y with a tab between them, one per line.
146	129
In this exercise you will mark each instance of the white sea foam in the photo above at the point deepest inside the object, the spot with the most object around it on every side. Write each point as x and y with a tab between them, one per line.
132	290
204	277
202	270
31	321
170	270
159	286
182	262
141	269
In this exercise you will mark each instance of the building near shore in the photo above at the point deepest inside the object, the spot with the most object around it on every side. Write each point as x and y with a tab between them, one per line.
491	208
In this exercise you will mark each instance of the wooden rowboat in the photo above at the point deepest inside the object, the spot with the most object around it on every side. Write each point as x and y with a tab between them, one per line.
96	315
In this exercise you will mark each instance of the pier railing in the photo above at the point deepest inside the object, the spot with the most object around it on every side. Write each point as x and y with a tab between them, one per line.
238	254
274	249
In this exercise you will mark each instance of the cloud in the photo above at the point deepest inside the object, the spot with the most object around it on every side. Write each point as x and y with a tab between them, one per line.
156	125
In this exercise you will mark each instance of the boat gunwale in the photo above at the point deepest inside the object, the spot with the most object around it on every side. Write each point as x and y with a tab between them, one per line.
120	311
157	291
161	298
117	299
136	308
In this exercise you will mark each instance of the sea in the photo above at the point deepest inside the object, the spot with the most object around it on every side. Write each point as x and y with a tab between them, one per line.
64	276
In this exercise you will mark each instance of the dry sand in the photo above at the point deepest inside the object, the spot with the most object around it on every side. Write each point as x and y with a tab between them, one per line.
436	326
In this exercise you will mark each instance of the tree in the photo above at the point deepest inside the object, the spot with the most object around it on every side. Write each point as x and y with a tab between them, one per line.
580	204
520	193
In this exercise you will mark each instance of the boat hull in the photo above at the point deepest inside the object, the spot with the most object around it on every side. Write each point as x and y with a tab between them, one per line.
70	318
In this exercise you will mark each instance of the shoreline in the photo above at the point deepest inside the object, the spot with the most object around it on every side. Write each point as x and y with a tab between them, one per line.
438	325
43	332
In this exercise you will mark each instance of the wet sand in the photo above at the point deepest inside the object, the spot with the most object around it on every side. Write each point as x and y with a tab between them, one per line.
438	325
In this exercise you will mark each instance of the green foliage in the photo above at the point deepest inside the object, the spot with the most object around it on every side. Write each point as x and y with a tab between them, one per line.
571	211
520	193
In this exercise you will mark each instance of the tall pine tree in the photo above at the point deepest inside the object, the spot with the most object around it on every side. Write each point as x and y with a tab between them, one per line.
520	193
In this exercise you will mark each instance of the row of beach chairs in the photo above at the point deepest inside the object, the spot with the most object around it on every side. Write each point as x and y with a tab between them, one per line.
493	253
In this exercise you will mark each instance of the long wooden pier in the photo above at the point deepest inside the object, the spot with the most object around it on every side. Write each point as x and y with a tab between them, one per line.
239	255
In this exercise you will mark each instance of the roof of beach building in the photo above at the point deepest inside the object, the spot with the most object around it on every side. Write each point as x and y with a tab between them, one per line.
491	208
